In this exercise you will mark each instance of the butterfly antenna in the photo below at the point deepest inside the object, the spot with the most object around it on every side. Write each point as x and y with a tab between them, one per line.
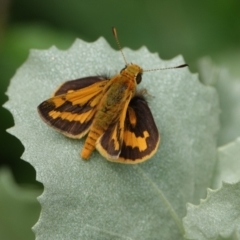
179	66
118	43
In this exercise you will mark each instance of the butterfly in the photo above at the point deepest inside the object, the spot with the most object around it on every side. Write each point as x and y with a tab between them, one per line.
115	117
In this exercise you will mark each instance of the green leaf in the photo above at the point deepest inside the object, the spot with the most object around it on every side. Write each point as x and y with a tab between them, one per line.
15	45
217	217
228	165
103	200
228	89
19	209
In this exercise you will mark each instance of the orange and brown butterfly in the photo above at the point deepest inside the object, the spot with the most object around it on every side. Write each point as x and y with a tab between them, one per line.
116	118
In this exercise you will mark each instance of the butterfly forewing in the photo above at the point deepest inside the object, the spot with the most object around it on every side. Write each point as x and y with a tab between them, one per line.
79	83
71	109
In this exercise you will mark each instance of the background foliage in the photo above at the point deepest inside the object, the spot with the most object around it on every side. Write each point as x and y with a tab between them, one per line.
193	29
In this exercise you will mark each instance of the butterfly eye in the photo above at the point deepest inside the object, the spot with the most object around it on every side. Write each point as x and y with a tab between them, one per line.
139	78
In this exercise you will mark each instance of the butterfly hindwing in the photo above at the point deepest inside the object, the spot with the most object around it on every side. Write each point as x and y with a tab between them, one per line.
71	109
134	137
141	137
110	143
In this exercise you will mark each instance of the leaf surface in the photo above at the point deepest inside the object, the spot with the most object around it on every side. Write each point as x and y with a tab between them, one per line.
228	89
84	200
218	216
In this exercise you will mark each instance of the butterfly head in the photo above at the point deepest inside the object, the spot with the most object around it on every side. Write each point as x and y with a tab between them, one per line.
133	70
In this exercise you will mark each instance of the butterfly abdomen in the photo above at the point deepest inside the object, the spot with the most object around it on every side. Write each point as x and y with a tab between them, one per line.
99	126
90	142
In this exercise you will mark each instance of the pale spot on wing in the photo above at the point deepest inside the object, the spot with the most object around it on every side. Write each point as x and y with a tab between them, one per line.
131	140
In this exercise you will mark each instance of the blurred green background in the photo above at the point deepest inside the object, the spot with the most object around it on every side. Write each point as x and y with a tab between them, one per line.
169	27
